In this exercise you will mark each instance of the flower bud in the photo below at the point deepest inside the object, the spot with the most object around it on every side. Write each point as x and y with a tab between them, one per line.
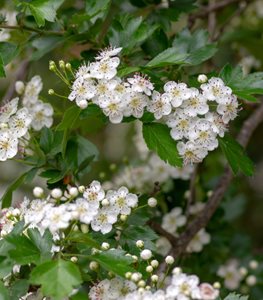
152	202
20	87
202	78
169	260
146	254
83	104
128	275
105	202
51	92
243	271
56	193
38	192
73	191
154	263
61	64
141	283
253	264
149	269
74	259
154	278
251	280
217	285
123	218
139	244
84	228
105	246
93	265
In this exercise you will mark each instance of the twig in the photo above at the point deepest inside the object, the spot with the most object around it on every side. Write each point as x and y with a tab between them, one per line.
31	29
20	75
192	197
212	204
206	10
211	20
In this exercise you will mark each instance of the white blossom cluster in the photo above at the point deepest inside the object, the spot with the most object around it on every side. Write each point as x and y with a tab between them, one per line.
196	117
181	287
91	206
148	169
234	274
14	125
42	113
174	220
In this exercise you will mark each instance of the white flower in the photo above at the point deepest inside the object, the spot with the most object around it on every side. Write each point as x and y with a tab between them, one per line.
82	211
202	135
229	109
136	103
120	288
177	92
215	89
103	89
208	292
36	211
180	123
8	145
113	107
8	110
32	90
19	123
104	219
196	104
100	291
200	239
56	218
173	220
230	273
41	115
191	152
104	69
159	105
184	287
82	89
108	52
83	71
122	200
141	84
94	194
217	124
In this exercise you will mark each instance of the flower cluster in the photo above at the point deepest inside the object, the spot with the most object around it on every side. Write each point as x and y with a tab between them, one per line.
234	274
14	125
196	117
181	287
171	222
90	206
41	112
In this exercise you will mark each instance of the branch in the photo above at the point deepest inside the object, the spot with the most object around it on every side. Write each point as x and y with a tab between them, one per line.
212	204
206	10
31	29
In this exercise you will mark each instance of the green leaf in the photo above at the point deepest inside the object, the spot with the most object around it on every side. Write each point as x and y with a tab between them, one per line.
158	139
243	86
234	296
42	242
3	292
57	278
94	7
188	49
43	10
24	251
7	197
19	288
236	156
46	139
83	238
114	261
69	118
130	32
8	52
168	57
